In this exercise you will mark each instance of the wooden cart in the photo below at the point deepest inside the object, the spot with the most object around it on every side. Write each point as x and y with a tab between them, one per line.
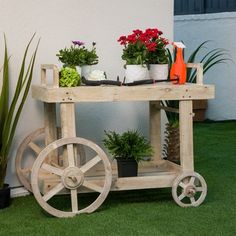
69	164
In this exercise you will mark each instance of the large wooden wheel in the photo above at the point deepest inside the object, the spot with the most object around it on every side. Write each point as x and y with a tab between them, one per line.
27	152
71	177
189	189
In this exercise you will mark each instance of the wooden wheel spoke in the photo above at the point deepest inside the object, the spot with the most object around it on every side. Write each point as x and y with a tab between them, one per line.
192	199
74	200
199	189
71	155
35	147
92	186
53	192
191	181
90	164
181	196
54	164
182	185
52	169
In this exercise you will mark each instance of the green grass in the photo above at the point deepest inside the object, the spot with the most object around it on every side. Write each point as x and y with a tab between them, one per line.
149	212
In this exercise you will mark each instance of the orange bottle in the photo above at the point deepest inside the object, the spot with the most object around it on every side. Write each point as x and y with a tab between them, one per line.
178	69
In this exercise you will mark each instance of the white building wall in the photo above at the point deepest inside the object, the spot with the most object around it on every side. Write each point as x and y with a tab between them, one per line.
220	28
58	22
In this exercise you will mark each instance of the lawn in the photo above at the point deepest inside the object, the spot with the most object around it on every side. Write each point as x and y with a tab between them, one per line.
149	212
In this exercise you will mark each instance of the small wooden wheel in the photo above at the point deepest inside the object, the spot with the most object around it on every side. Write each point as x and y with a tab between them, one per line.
71	178
26	155
189	189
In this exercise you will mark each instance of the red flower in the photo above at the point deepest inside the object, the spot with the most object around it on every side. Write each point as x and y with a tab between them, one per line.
122	40
131	38
151	46
137	32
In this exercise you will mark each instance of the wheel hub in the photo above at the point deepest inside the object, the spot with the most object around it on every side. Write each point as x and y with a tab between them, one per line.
72	177
190	191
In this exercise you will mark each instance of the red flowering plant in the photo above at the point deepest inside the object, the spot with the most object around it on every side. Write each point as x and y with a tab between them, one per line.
156	44
146	47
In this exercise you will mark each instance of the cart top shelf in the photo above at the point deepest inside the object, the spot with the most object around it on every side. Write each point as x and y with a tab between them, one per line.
152	92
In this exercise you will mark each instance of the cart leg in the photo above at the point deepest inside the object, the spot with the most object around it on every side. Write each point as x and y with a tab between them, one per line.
68	127
50	123
155	129
186	135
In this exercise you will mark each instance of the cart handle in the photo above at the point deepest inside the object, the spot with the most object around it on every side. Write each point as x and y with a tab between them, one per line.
199	68
44	81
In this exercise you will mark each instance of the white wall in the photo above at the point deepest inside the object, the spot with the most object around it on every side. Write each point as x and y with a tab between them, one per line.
59	22
220	28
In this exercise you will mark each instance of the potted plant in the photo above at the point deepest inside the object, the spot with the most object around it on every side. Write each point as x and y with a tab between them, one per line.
210	59
157	54
135	54
128	149
10	113
69	77
79	56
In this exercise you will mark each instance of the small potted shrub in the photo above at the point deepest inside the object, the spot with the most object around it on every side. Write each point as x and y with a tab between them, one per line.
79	57
128	149
157	56
69	77
135	54
142	48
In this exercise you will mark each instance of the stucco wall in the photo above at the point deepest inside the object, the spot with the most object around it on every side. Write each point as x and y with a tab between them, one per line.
59	22
220	28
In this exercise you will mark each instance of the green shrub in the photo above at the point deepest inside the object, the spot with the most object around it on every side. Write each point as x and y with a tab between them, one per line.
69	77
129	145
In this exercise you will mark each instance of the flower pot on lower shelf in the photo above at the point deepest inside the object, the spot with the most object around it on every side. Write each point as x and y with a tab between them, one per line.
5	196
127	167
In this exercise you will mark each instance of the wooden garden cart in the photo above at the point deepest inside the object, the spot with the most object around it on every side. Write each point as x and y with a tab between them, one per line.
69	164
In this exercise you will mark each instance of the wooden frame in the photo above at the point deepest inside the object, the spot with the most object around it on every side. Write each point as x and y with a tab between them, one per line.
157	173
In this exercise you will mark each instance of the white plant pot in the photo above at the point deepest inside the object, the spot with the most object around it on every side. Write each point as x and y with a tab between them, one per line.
78	68
158	71
86	70
135	73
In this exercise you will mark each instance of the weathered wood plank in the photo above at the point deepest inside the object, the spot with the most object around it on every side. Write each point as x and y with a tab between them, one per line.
153	92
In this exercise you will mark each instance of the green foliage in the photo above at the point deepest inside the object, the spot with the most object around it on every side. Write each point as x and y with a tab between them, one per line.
159	55
209	59
129	145
78	56
9	115
69	77
135	54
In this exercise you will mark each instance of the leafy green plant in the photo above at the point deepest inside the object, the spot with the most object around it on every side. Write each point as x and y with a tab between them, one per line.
209	59
10	112
129	145
69	77
78	55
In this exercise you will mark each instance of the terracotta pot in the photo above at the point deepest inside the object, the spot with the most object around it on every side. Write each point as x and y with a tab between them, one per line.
199	109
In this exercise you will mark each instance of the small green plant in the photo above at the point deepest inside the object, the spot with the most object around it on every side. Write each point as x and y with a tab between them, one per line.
129	145
69	77
10	111
78	55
